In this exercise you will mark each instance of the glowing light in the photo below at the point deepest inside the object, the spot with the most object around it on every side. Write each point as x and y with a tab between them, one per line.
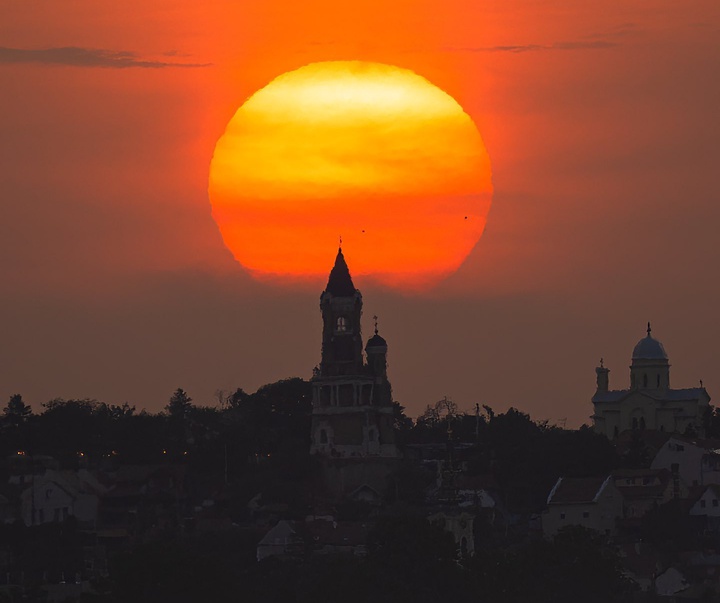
371	152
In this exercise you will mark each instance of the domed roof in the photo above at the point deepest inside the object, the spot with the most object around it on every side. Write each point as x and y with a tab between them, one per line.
649	348
376	342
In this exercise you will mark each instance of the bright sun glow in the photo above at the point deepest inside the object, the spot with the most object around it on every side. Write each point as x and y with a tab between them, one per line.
370	152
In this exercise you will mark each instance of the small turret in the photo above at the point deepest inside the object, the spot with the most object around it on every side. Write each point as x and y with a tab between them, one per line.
376	350
603	377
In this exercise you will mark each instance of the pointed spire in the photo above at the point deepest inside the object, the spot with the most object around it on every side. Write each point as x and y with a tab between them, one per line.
649	329
340	282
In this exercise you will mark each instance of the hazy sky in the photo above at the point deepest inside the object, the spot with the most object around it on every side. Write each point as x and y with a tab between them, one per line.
602	124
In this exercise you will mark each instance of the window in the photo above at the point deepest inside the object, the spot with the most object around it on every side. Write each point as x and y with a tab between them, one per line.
634	423
323	437
715	502
586	514
56	515
372	435
562	515
645	380
658	380
680	448
341	323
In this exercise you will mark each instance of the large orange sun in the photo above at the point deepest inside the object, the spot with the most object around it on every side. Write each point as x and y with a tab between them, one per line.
370	152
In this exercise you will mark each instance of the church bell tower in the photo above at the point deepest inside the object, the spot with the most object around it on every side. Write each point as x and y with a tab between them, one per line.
352	399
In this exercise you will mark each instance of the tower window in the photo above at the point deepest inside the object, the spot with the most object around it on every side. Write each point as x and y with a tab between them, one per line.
658	380
372	435
645	380
323	437
341	323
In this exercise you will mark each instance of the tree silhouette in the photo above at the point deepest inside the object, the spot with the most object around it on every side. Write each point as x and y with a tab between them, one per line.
16	411
179	405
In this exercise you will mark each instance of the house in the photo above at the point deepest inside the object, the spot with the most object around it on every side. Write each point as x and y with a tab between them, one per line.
708	504
670	582
692	462
643	490
283	539
314	536
57	495
591	502
327	537
142	498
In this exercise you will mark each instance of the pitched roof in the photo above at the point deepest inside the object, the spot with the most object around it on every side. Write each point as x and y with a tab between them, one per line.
577	490
340	282
669	395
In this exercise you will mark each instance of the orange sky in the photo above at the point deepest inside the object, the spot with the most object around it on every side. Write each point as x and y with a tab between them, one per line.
600	120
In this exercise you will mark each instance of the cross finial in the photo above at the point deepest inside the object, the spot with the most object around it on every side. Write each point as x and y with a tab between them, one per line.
375	318
340	244
602	364
648	329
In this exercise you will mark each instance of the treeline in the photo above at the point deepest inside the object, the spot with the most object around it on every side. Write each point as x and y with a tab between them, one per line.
271	428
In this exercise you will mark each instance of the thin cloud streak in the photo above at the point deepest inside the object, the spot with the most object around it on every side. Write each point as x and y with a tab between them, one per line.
519	48
74	56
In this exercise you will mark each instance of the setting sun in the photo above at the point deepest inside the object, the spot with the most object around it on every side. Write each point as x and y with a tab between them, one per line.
370	152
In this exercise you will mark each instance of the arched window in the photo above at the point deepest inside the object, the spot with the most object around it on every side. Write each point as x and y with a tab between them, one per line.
645	380
634	423
642	422
323	437
341	323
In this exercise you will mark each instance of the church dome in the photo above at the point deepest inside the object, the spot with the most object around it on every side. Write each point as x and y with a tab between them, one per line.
649	348
376	342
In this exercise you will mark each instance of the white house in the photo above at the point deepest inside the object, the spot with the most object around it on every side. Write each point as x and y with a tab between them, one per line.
694	462
591	502
708	505
57	495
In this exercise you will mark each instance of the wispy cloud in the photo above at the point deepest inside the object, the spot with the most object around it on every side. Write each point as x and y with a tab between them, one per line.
519	48
84	57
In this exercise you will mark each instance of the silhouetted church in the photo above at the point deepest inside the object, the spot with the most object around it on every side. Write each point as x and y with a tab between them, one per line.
650	403
352	420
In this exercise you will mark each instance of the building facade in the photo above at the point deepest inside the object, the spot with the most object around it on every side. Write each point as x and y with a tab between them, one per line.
649	402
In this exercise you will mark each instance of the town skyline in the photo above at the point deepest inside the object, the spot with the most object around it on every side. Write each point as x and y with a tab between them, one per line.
601	127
